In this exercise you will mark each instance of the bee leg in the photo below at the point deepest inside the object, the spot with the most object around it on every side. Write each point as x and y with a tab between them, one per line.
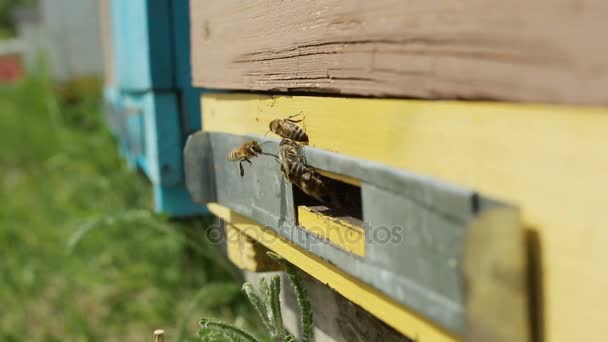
241	168
293	116
247	160
284	172
269	154
289	118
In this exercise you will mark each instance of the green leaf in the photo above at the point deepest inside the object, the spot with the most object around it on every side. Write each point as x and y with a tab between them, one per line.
258	305
287	337
264	290
228	330
210	296
306	319
275	308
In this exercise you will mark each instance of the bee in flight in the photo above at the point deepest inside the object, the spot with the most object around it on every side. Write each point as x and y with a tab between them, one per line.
244	152
288	129
293	167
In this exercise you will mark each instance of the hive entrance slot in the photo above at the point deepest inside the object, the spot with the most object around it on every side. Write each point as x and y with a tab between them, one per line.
345	199
339	221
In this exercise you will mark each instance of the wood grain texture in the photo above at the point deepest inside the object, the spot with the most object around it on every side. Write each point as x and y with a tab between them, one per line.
551	161
534	51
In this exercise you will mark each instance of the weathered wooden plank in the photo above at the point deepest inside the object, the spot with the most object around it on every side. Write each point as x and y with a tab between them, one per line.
549	160
539	51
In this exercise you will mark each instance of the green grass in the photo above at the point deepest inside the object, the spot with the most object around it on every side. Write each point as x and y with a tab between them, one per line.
81	256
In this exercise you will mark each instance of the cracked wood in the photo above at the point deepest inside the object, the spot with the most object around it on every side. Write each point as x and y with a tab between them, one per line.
542	51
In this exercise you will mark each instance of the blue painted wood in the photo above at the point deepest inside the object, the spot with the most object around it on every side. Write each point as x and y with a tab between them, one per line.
114	110
175	200
110	108
151	136
142	38
180	12
135	132
155	106
189	96
191	109
154	135
143	51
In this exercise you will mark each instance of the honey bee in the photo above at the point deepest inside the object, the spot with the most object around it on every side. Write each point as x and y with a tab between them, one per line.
290	156
244	152
294	169
288	129
312	185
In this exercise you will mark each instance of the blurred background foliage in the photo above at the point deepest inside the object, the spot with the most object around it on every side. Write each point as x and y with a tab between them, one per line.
81	256
7	7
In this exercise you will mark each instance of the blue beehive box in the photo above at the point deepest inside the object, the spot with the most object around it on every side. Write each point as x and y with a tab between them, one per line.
152	107
143	44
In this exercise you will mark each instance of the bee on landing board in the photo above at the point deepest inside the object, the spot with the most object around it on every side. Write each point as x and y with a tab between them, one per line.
294	169
244	152
288	129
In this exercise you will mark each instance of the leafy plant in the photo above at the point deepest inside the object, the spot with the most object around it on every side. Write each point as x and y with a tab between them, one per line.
267	304
82	258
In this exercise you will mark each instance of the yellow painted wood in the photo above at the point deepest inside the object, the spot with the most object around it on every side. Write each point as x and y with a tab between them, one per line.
552	161
246	253
336	230
494	266
233	247
393	314
341	178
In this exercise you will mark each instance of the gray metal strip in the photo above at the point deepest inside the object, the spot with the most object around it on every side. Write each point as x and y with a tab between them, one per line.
448	199
199	171
415	226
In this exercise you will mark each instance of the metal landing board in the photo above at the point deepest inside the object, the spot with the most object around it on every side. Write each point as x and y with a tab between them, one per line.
415	227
